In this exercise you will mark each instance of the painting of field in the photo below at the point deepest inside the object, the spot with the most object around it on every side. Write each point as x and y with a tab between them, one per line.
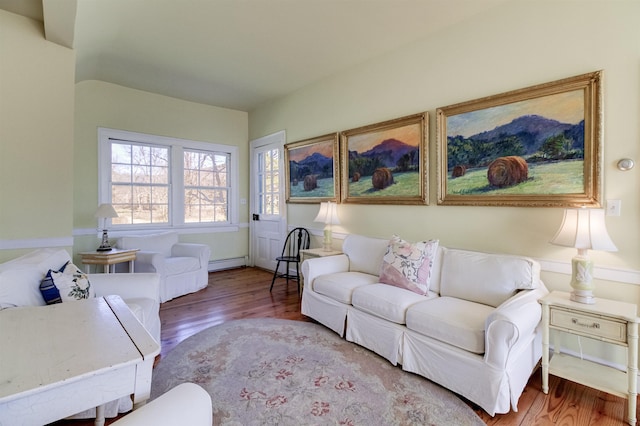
312	174
548	178
384	163
540	144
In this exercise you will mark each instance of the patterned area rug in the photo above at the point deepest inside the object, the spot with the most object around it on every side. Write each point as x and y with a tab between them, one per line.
281	372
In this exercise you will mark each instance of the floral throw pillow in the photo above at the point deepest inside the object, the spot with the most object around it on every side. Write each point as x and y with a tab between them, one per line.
408	265
67	284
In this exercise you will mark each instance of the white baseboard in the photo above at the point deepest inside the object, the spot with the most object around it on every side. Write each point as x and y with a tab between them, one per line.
221	264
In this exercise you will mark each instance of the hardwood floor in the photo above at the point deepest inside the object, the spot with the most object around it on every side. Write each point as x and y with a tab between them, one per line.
244	293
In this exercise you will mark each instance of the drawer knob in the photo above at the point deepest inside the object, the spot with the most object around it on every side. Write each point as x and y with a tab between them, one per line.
586	325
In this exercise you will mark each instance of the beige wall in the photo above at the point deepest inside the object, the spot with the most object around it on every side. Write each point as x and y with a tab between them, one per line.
100	104
36	137
516	45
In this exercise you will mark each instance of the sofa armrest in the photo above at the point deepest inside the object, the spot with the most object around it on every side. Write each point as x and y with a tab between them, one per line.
201	251
149	261
127	285
316	266
512	322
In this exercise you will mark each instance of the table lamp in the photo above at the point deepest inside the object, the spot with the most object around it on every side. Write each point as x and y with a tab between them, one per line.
104	212
328	215
585	230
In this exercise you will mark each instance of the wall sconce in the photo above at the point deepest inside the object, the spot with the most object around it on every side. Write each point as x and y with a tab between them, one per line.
585	230
104	212
328	215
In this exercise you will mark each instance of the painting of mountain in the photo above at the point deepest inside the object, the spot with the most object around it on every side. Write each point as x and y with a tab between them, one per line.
384	162
529	145
311	169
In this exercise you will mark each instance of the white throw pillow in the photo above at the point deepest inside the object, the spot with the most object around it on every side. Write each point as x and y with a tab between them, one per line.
67	284
408	265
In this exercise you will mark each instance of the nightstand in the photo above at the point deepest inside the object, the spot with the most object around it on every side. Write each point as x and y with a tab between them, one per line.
316	252
109	258
608	321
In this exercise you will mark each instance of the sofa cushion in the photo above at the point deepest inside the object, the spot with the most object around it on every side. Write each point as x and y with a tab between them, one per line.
408	265
340	286
454	321
486	278
365	253
158	243
385	301
20	287
180	265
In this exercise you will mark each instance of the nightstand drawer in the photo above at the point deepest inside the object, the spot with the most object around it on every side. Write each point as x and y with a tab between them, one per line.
590	325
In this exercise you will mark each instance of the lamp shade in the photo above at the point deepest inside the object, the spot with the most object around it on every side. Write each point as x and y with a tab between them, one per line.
584	229
106	210
328	214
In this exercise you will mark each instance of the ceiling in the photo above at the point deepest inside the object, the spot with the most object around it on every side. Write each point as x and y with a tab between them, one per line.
234	53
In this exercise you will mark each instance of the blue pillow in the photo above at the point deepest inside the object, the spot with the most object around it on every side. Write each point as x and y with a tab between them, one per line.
49	291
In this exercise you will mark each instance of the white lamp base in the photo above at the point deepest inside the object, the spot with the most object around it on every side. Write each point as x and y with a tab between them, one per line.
582	280
583	296
327	244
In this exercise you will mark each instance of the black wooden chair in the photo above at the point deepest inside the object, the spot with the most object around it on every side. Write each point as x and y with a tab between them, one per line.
298	239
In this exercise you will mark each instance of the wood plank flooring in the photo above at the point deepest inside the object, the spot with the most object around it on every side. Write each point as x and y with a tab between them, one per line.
244	293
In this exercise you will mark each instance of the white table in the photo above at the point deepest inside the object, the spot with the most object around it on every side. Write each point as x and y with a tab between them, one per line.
609	321
58	360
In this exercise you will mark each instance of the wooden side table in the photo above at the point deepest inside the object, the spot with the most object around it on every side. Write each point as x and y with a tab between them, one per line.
316	252
108	258
609	321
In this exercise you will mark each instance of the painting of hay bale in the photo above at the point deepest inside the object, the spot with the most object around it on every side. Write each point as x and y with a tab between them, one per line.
384	163
538	147
312	173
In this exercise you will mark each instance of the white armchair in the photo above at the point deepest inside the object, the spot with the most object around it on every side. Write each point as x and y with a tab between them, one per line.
183	267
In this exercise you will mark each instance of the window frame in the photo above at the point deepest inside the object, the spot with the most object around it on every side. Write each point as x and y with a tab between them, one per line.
176	179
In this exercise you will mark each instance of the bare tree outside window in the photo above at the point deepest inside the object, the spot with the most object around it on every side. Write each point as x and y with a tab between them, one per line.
140	190
206	187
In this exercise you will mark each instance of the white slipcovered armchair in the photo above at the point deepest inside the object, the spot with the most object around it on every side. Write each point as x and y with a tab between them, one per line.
183	267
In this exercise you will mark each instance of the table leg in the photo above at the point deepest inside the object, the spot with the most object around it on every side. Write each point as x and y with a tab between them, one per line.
545	349
131	263
99	415
632	369
106	268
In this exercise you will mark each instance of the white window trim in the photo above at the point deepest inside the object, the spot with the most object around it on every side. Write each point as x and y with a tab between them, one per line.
176	186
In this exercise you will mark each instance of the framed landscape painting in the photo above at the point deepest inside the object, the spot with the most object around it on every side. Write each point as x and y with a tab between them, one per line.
537	147
312	172
385	163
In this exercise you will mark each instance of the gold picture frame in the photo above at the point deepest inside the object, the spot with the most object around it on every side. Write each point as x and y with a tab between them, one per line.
534	147
386	163
312	170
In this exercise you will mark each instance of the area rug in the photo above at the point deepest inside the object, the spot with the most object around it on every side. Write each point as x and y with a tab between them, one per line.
282	372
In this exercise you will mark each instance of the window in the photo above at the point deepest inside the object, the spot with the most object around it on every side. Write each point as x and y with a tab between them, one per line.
269	182
205	186
154	181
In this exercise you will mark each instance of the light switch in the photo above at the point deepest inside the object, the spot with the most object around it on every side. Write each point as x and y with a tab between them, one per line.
613	207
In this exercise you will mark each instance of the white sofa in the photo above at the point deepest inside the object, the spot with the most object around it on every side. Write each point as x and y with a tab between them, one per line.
476	332
20	280
183	267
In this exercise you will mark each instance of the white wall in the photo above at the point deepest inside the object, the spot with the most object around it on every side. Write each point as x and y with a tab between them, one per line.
36	138
516	45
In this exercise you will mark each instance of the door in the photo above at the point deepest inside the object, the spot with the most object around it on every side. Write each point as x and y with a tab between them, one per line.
268	224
